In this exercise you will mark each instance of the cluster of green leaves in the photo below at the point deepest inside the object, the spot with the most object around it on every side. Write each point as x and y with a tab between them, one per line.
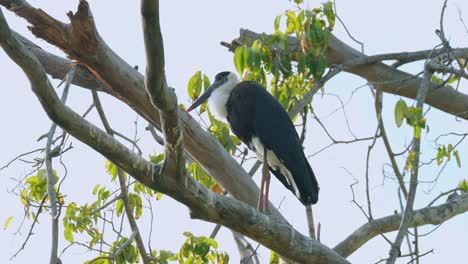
290	73
200	250
78	219
35	191
447	152
198	83
36	187
412	115
463	185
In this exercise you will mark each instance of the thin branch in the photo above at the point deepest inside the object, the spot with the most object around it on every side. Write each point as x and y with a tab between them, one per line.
442	195
19	157
428	215
39	211
123	186
408	213
383	133
50	175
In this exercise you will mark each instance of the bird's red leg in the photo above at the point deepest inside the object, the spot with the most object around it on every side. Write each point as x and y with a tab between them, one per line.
266	178
260	197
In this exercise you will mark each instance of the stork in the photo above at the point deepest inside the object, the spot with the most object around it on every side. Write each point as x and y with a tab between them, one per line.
261	123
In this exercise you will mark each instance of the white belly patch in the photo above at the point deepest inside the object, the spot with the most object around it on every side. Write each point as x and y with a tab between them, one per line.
273	161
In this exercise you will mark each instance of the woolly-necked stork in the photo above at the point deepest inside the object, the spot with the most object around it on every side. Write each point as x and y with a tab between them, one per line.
260	121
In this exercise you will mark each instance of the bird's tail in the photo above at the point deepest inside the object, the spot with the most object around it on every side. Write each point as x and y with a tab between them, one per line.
311	187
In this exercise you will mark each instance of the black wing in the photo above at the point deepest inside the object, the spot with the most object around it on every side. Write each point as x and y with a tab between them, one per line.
253	111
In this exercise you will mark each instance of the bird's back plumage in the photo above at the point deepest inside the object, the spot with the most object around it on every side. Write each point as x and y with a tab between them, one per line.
252	112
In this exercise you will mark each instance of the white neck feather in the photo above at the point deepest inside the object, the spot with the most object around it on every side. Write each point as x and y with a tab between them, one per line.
218	99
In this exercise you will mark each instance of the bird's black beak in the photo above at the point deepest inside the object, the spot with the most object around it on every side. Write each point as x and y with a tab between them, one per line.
202	97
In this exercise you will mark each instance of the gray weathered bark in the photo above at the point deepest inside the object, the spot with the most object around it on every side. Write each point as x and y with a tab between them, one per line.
435	215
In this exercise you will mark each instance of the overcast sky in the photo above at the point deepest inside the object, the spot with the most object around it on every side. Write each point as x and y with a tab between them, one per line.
192	32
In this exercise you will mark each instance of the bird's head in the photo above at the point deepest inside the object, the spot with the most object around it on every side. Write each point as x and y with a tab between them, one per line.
224	82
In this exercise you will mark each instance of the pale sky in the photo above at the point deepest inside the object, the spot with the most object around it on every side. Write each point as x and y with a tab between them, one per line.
192	32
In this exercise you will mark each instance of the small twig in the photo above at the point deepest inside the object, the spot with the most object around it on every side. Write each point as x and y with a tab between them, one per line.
441	195
369	149
383	133
19	157
30	233
346	28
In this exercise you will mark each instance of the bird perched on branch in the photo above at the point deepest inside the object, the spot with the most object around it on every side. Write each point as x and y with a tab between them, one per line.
260	121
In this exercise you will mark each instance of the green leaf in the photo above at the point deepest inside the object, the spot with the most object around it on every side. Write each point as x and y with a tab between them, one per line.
440	155
457	158
277	23
156	158
159	196
400	112
238	59
7	222
111	169
417	132
194	86
119	207
328	11
68	233
96	188
290	22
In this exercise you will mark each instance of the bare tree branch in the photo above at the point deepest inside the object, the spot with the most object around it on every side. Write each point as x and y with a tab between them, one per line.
50	175
429	215
162	97
408	213
123	186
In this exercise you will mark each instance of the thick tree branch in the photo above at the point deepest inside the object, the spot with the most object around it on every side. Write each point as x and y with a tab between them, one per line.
203	203
427	216
162	97
384	77
58	67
